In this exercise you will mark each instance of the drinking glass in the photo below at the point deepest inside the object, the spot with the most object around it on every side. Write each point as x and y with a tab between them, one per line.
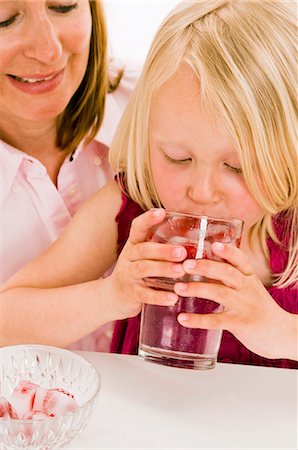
162	339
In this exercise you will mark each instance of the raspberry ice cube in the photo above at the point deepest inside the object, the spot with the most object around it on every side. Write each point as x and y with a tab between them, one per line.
59	402
6	409
22	398
39	399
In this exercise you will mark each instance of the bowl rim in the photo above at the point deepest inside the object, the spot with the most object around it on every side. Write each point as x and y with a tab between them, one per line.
60	350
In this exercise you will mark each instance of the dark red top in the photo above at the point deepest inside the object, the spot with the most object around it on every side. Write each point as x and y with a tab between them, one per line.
126	333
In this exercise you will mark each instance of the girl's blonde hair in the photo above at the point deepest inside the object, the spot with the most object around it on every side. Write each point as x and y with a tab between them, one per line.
244	55
84	113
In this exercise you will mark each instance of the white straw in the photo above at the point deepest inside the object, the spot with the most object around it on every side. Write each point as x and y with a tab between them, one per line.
202	235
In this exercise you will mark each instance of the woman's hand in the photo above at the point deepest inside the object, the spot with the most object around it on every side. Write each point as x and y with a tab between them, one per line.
249	313
126	288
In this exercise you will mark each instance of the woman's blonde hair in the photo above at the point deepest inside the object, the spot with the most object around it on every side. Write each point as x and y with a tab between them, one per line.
84	113
244	55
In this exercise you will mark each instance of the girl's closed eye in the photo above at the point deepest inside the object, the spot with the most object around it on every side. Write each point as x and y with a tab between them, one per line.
233	169
172	160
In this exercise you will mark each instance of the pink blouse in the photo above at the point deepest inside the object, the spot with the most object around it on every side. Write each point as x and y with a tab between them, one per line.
34	211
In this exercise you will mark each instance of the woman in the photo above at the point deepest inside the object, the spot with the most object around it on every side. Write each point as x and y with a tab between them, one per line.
53	84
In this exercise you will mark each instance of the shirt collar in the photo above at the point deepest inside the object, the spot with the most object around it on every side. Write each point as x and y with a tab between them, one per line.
11	160
74	155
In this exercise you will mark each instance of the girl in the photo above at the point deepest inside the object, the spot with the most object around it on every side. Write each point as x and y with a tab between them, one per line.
210	130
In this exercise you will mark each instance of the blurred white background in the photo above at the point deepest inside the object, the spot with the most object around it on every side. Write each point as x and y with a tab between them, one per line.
132	25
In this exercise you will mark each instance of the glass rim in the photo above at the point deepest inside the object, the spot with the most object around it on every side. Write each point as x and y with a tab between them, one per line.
204	216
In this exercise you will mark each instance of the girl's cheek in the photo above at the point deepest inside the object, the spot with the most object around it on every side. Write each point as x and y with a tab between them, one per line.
248	209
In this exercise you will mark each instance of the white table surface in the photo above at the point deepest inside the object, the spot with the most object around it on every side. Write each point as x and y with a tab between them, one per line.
147	406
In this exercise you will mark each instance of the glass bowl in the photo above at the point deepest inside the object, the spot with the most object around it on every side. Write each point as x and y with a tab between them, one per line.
50	368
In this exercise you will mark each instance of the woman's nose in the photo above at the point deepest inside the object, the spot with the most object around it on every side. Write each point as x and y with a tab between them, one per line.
42	42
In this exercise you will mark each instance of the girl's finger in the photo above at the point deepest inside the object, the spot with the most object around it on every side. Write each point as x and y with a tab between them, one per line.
142	224
215	270
156	297
146	268
219	293
156	251
234	256
214	321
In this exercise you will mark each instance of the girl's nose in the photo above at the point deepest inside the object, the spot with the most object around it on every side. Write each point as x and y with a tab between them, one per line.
42	42
203	189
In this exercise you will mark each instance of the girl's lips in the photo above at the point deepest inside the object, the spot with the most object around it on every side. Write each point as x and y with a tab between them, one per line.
37	84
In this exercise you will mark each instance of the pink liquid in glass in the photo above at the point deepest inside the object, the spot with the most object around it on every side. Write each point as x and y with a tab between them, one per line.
161	330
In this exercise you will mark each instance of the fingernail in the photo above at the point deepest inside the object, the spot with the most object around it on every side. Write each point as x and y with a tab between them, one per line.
156	212
178	252
183	318
177	268
172	298
218	246
190	264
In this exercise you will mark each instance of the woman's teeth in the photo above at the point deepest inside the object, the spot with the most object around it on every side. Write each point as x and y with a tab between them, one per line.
32	80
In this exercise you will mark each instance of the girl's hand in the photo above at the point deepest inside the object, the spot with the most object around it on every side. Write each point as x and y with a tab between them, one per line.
126	289
249	313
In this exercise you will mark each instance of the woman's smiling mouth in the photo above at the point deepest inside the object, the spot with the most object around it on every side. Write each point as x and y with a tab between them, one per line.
37	84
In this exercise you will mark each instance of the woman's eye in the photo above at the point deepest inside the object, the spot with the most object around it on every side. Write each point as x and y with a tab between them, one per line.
8	22
233	169
63	9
